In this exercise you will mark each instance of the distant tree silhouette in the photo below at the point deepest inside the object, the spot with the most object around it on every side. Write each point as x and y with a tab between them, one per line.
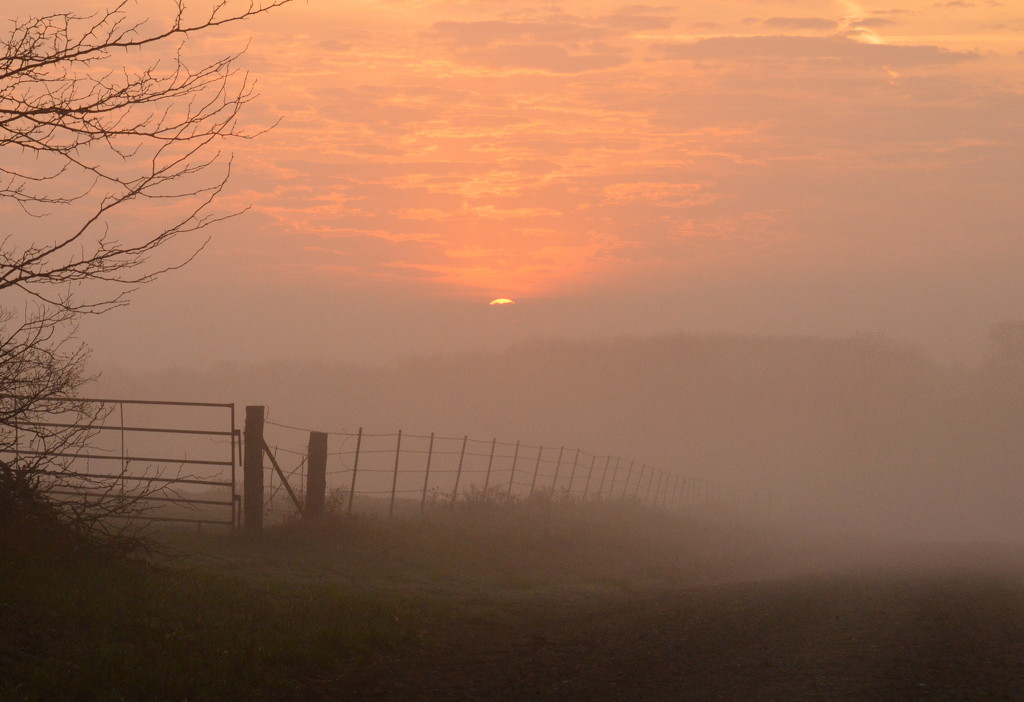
110	136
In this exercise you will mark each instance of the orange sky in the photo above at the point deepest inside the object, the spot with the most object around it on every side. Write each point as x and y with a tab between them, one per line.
501	148
732	162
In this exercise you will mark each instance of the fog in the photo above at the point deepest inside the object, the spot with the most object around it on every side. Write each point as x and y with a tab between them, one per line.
848	435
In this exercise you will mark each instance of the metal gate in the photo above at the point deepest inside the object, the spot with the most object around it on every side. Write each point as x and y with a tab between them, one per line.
174	461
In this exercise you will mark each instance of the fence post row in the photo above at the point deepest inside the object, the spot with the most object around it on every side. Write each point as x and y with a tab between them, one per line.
252	469
662	489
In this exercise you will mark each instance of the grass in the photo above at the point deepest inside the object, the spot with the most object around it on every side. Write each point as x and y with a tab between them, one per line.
530	546
97	629
224	617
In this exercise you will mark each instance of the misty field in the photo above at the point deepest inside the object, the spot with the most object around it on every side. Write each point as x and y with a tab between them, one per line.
536	601
209	615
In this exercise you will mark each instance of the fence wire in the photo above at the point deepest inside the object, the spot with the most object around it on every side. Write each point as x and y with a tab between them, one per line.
398	472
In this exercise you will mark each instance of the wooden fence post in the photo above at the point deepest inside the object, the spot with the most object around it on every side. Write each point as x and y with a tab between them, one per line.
252	469
355	469
316	475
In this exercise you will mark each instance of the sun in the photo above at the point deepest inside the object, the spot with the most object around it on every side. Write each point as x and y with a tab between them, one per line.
502	301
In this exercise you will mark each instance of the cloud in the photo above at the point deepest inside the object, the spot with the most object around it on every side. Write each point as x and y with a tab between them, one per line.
794	48
814	23
557	45
334	45
554	59
488	33
640	17
872	23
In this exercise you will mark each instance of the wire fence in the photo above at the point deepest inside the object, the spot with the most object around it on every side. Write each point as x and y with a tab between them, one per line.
400	473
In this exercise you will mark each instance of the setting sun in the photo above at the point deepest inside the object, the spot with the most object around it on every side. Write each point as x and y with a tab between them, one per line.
502	301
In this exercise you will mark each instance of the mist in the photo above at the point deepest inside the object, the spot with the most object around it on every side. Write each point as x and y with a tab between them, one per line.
846	435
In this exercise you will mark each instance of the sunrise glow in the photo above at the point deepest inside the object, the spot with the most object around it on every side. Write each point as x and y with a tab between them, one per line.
731	159
456	147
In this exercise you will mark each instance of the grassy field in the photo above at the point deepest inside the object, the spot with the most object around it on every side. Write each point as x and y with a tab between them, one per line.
214	616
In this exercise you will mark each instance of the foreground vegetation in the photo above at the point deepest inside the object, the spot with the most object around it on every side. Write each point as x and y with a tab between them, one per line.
212	616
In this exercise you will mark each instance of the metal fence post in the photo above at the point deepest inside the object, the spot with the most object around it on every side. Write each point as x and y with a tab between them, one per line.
639	480
536	469
458	473
558	466
426	476
604	474
394	479
590	475
512	475
572	474
615	476
490	464
355	469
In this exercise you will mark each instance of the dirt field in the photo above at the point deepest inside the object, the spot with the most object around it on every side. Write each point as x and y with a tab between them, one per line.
927	624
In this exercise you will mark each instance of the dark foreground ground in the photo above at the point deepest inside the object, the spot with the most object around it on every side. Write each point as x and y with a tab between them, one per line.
944	625
386	617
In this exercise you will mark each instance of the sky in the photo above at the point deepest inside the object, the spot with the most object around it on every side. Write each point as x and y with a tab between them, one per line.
761	166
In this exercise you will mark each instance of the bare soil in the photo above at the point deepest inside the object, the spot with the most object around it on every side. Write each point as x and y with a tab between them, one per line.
923	624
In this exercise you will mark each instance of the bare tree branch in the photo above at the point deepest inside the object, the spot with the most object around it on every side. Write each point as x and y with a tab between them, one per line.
111	135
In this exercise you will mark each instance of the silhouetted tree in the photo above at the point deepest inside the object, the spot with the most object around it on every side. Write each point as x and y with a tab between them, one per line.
110	138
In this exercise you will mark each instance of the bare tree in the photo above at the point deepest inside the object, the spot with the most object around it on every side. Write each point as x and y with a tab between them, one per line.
111	134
